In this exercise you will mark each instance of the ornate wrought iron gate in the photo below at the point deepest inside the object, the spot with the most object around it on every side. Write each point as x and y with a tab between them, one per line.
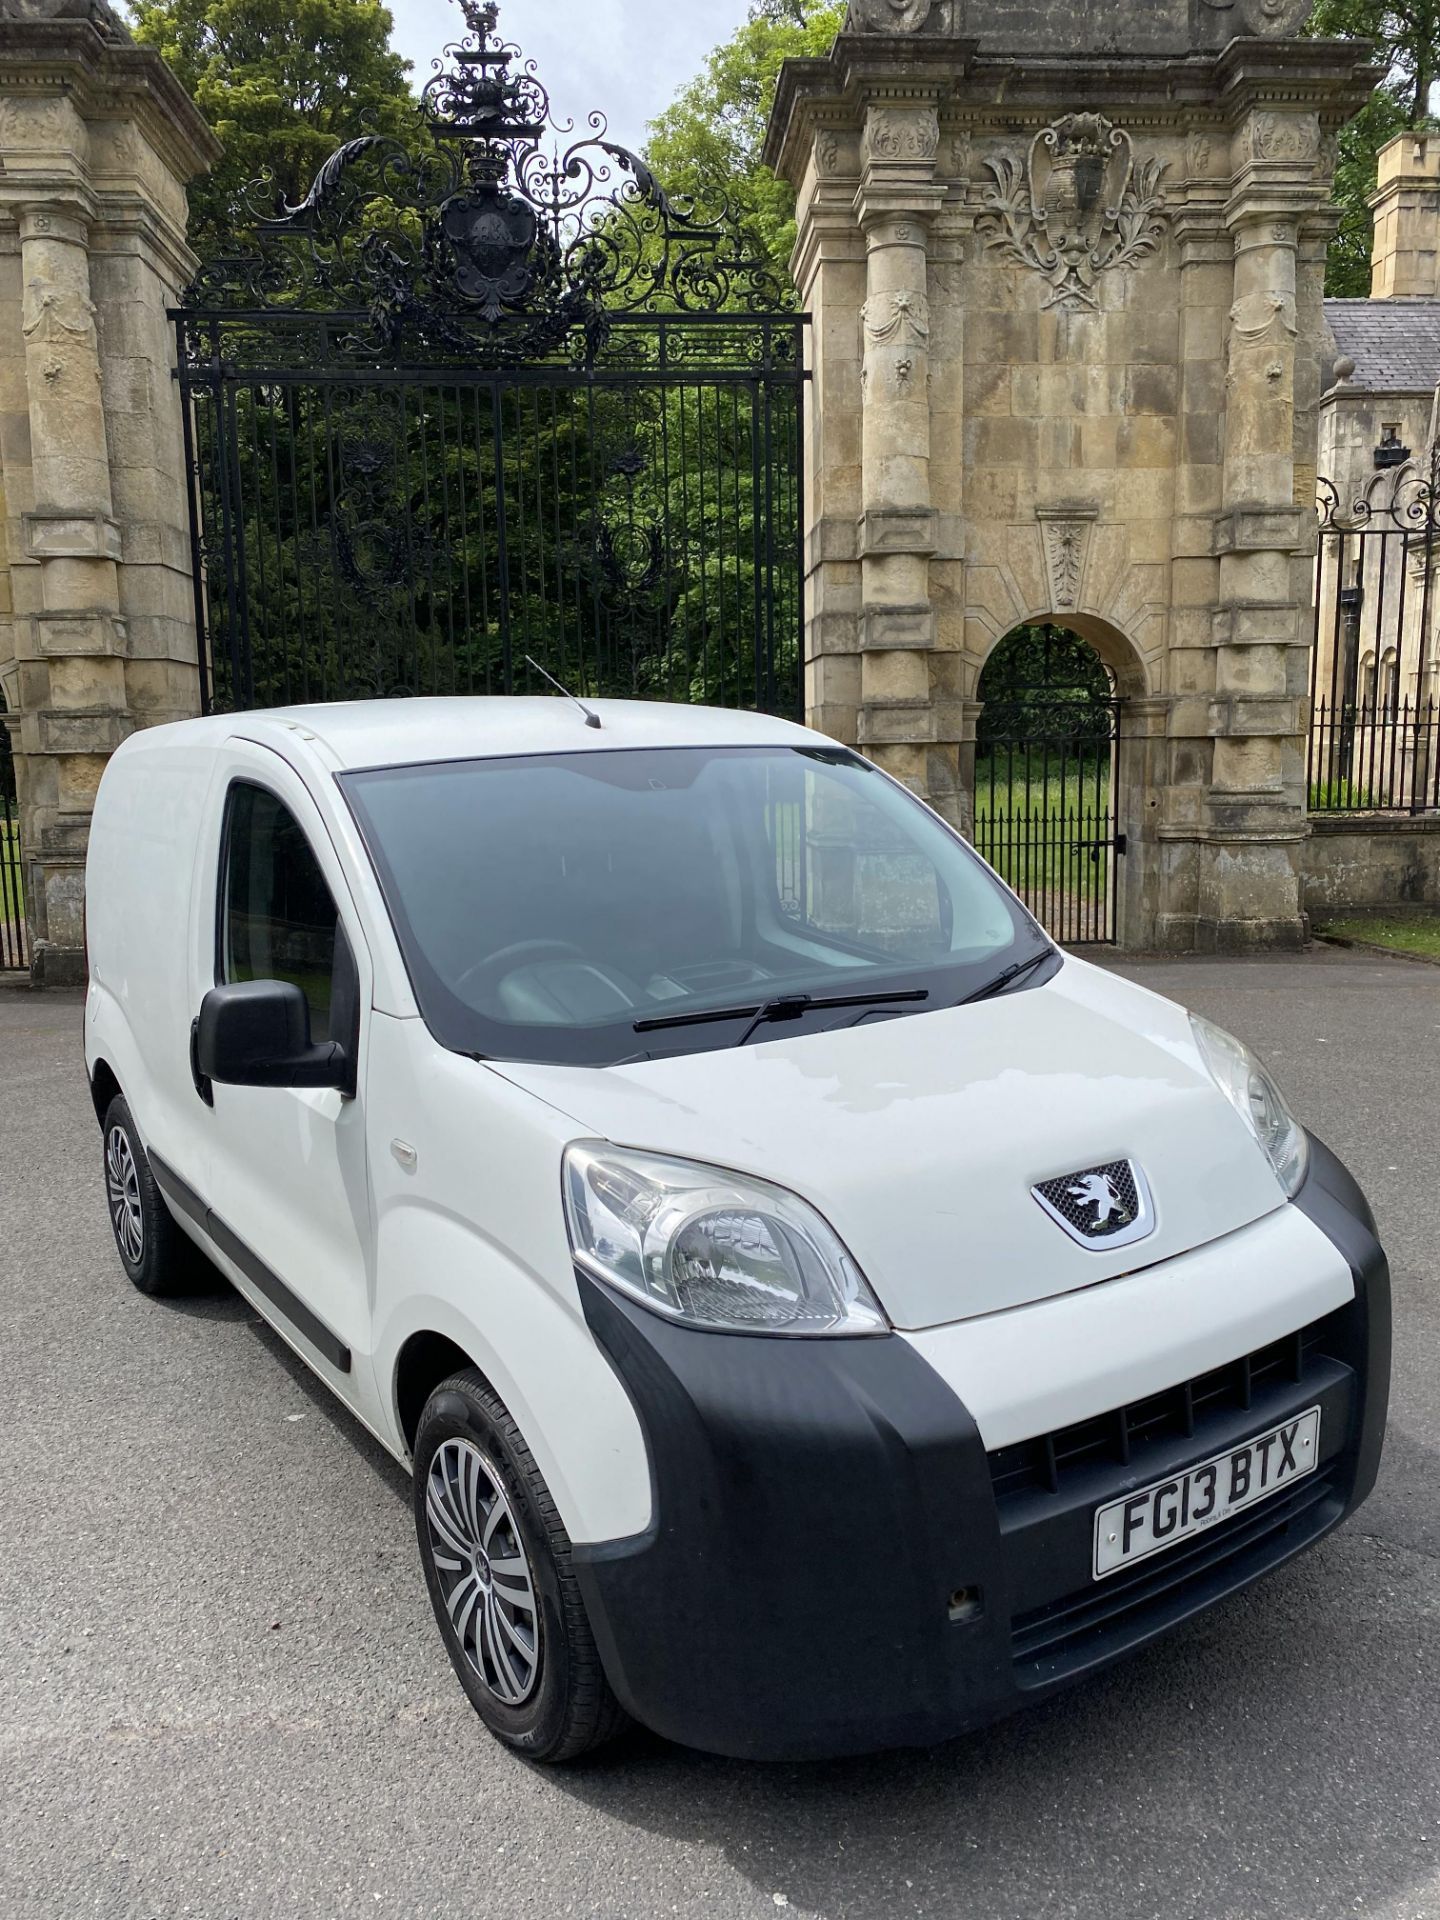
1375	680
14	946
491	397
1047	781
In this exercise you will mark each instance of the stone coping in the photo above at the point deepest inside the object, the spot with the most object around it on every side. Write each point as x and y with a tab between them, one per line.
1376	823
1333	74
74	58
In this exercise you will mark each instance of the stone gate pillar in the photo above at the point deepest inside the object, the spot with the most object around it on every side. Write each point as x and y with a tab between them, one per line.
897	200
1065	309
97	634
1256	818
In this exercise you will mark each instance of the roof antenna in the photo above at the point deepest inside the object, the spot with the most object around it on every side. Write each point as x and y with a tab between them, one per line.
591	719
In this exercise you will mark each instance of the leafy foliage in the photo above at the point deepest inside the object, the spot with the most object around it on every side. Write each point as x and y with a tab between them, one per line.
283	83
707	143
1406	36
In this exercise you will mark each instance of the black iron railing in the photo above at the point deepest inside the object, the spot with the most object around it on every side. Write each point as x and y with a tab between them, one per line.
14	946
1375	704
418	531
1375	759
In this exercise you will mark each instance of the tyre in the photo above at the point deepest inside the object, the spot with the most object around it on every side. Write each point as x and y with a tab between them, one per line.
153	1251
497	1563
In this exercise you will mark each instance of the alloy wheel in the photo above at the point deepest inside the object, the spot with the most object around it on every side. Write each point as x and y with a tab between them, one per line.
122	1186
483	1571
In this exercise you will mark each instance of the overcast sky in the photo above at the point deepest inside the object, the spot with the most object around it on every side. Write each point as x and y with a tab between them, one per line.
626	57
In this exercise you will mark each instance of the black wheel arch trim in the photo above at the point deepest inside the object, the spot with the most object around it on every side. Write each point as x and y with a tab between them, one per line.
785	1636
184	1199
1332	1199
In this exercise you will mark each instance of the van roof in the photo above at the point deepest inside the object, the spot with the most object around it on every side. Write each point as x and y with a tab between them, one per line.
389	733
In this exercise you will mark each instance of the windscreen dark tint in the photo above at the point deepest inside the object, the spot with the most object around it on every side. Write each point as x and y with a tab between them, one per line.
547	905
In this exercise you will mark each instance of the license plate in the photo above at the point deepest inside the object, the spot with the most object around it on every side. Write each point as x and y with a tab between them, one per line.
1200	1498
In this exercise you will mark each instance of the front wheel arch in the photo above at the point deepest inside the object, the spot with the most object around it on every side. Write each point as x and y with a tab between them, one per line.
104	1088
423	1363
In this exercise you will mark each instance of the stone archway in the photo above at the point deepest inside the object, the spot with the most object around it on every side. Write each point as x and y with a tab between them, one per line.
1067	332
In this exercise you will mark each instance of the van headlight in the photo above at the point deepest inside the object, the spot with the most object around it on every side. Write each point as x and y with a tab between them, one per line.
712	1249
1258	1101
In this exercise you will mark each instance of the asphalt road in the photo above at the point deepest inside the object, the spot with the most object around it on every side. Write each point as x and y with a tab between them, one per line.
221	1693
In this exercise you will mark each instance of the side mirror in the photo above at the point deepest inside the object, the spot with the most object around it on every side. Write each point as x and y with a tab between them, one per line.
257	1034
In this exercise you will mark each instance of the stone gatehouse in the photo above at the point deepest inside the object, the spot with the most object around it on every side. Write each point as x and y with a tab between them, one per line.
1065	267
1069	354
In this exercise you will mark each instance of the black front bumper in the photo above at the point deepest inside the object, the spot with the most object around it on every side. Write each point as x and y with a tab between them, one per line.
837	1565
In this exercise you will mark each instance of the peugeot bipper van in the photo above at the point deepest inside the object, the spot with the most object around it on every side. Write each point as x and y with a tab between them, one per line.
818	1314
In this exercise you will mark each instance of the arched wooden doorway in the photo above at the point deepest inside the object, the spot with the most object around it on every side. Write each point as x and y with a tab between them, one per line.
1048	780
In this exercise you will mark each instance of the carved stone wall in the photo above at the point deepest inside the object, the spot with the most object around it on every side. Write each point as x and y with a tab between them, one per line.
1067	330
1083	26
97	632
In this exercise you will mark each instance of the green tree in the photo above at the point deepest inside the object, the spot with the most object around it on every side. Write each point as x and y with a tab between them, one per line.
283	83
707	142
1406	36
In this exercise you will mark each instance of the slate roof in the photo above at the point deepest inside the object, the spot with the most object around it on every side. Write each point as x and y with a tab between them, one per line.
1395	344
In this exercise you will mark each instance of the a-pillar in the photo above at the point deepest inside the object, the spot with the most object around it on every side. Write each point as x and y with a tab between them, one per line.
898	199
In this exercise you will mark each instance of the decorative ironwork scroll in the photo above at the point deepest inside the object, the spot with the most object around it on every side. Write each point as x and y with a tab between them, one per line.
493	233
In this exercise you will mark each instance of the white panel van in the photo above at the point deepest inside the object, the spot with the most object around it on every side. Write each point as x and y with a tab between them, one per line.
819	1315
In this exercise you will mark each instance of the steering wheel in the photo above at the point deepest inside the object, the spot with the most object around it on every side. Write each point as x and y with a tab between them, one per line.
488	973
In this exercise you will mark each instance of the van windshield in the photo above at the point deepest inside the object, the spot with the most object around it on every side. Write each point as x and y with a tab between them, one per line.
610	905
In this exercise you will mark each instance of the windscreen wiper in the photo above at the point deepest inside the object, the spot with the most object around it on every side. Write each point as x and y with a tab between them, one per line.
1003	981
789	1006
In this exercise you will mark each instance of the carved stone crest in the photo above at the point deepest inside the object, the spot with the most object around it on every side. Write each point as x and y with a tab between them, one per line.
492	240
1075	208
1264	19
888	16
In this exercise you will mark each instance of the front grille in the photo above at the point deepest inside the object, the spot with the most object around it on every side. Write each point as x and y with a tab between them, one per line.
1043	1464
1097	1203
1071	1632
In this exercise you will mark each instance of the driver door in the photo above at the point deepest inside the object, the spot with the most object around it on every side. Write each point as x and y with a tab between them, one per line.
289	1185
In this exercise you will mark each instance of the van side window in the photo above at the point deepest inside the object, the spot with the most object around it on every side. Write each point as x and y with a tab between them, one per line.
278	920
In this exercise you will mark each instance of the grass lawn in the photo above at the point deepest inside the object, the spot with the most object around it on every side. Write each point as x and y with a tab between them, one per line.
12	890
1030	835
1406	933
12	896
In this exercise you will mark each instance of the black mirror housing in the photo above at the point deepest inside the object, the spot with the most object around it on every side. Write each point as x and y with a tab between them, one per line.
257	1034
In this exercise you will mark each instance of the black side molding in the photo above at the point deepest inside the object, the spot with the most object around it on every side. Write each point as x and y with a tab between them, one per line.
184	1199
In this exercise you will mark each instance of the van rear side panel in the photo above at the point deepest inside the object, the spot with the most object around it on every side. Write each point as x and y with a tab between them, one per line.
141	879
